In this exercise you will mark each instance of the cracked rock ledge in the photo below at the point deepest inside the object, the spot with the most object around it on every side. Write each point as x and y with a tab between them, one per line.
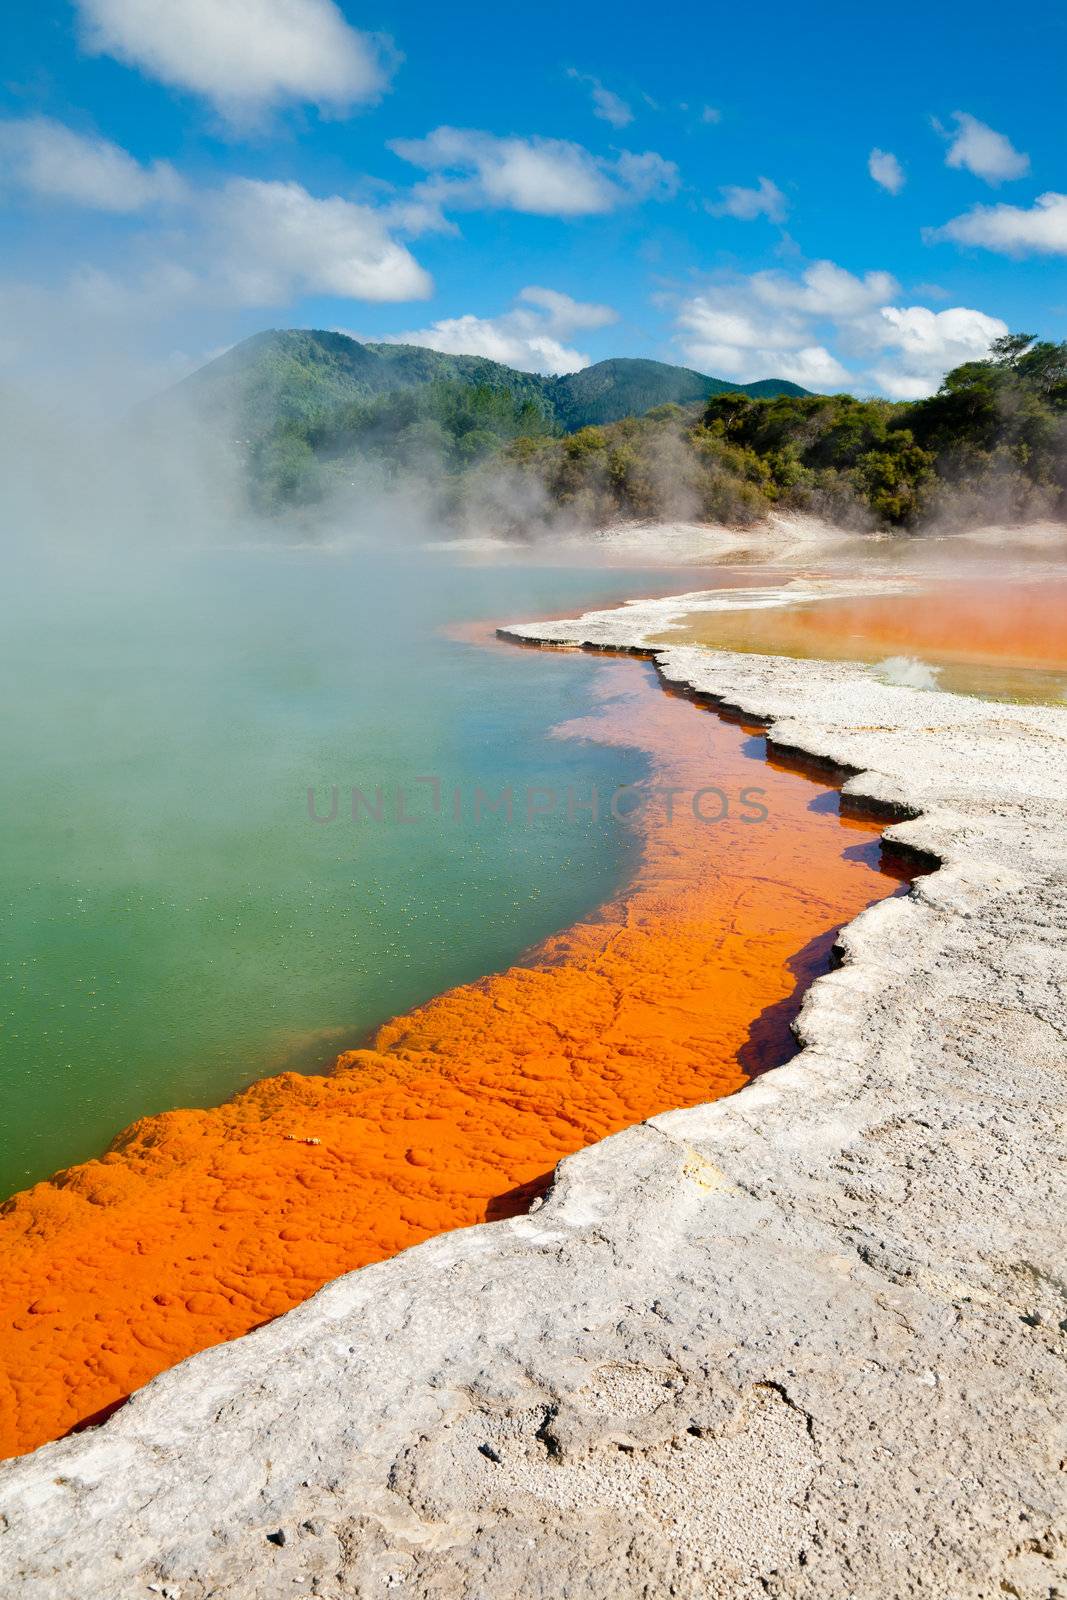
806	1341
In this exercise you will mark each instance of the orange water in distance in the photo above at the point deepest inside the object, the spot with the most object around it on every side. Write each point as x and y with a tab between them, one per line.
1015	622
199	1225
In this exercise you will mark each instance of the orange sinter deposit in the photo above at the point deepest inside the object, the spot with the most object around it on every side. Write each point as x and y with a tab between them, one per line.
1014	622
199	1225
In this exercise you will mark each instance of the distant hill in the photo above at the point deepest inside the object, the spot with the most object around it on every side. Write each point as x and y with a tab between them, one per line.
623	387
304	375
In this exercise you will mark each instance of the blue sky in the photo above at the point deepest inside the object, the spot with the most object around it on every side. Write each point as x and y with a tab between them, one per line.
851	198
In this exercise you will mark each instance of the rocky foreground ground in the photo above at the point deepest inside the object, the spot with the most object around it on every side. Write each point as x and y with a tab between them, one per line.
807	1341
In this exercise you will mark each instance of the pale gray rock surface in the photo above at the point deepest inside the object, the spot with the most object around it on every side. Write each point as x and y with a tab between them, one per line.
807	1341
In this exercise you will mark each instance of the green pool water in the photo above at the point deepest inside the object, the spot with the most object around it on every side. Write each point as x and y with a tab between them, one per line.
173	923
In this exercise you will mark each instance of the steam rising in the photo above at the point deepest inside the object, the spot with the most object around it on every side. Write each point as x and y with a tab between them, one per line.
73	483
909	672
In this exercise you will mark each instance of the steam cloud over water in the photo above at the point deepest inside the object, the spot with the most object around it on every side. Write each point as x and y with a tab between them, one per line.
74	481
908	672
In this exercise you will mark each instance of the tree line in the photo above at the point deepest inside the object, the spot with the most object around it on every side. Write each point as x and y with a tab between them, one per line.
991	444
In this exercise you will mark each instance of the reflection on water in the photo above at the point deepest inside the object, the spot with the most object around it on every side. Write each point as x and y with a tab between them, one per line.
1002	636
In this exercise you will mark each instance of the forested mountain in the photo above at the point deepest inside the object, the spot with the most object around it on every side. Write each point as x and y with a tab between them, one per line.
611	390
305	375
313	413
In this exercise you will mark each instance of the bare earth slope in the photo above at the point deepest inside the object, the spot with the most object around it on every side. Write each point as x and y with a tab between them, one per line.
806	1341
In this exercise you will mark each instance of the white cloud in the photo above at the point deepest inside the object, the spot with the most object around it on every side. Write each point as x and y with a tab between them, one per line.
566	315
247	244
414	214
275	240
51	160
543	177
711	114
109	327
813	367
747	204
983	151
886	170
530	339
727	333
494	338
244	56
727	321
610	107
607	105
927	345
1040	229
647	176
828	329
825	290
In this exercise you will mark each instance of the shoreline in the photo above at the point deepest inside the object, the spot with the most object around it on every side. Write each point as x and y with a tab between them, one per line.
787	540
198	1226
727	1332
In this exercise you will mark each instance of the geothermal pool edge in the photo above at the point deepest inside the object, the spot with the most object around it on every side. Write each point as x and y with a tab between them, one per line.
805	1341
